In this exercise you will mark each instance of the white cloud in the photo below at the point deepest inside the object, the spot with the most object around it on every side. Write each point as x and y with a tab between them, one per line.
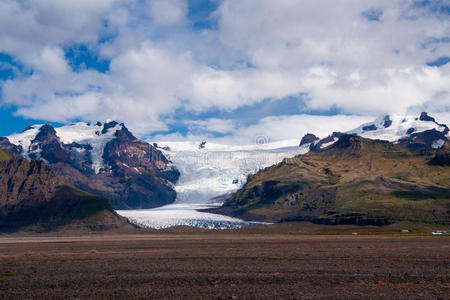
51	60
271	129
213	125
29	26
168	12
270	49
342	59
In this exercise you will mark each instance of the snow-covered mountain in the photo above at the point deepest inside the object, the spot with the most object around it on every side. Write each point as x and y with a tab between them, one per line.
93	136
105	159
415	133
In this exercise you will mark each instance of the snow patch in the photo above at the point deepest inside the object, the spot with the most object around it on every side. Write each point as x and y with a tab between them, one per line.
438	144
24	138
83	133
329	143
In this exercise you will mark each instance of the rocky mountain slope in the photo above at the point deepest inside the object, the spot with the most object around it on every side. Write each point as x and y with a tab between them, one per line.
103	159
354	180
34	197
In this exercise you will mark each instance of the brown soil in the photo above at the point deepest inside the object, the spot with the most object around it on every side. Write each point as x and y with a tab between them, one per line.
224	266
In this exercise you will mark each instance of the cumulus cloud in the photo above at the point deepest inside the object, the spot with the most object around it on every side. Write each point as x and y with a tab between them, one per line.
270	129
168	12
360	58
340	57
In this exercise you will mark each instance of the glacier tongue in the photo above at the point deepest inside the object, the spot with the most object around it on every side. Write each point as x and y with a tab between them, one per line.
182	215
206	174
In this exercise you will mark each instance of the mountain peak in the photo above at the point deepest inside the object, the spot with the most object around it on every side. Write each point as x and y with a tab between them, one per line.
45	131
308	138
108	125
425	117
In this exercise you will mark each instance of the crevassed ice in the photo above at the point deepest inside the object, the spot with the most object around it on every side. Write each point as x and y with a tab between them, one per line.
208	173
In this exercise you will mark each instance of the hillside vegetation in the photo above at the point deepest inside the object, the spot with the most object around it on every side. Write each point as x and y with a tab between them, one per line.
3	155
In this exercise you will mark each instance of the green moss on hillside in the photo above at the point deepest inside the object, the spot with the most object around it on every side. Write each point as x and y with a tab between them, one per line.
4	156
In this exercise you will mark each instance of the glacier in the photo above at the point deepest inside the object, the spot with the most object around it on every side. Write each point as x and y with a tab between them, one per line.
206	175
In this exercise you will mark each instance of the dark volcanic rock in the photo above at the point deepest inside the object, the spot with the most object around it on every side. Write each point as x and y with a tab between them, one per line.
410	130
422	141
387	122
109	125
48	146
442	156
370	128
425	117
308	138
331	138
149	179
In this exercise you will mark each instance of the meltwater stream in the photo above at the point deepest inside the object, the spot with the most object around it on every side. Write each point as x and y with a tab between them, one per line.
206	174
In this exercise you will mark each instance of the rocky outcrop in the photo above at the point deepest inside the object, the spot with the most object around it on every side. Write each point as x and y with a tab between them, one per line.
325	141
48	146
425	117
423	141
149	176
9	148
33	196
308	139
442	156
387	122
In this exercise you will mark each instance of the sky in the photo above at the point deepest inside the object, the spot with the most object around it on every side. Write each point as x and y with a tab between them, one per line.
222	70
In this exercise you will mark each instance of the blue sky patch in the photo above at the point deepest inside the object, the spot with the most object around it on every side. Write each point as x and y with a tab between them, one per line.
372	15
200	13
80	57
439	62
9	67
10	123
